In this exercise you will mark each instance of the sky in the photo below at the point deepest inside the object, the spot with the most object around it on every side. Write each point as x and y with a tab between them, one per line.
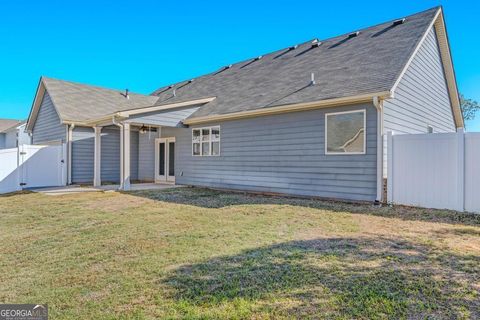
142	45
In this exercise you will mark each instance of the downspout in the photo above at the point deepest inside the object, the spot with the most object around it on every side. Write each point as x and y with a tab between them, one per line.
122	153
378	103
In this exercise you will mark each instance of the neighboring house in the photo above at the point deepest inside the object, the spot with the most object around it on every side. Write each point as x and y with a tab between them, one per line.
305	120
12	133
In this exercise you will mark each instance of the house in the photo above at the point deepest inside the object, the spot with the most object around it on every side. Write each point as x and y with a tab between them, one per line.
306	120
12	133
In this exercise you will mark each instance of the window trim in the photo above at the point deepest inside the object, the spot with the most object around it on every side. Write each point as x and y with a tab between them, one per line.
210	141
364	111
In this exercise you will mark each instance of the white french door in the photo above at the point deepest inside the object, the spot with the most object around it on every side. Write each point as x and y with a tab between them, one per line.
165	160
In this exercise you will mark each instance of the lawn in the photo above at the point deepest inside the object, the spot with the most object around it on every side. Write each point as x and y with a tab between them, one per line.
200	254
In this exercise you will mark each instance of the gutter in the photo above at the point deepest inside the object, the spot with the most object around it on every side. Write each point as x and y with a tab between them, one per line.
327	103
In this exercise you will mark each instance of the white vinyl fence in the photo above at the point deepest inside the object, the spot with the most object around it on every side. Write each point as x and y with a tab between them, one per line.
32	166
437	170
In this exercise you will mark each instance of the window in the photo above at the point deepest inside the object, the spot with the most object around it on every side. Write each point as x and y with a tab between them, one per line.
206	141
429	129
345	132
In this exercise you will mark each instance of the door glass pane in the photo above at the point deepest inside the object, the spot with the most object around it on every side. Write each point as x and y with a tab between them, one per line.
171	158
161	159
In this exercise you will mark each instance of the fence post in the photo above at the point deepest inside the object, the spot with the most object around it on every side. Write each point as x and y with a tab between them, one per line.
460	170
390	166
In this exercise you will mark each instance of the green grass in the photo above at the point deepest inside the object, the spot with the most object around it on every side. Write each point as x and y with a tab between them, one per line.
201	254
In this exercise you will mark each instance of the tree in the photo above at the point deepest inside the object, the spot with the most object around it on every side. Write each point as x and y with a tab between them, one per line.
469	108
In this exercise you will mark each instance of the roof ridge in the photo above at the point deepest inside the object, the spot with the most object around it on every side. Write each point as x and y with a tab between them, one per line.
91	86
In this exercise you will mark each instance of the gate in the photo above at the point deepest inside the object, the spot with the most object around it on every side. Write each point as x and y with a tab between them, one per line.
32	166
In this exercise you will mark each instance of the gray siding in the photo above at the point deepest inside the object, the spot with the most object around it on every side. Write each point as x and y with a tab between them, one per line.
83	155
2	140
134	156
11	139
421	98
281	154
110	155
48	126
146	156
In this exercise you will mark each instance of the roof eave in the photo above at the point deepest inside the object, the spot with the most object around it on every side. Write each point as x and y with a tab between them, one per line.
290	108
126	114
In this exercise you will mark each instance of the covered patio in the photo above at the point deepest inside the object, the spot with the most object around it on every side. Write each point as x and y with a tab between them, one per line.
156	152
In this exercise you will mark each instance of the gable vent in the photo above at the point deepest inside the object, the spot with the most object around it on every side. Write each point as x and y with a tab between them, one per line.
399	21
354	34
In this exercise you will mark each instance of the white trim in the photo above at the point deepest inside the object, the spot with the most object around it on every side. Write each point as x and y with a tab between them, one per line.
364	111
210	141
126	156
70	129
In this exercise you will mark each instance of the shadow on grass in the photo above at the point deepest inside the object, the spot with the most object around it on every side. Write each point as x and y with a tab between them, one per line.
15	194
336	277
208	198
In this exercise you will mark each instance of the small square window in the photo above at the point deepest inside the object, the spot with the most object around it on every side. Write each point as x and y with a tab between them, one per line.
345	132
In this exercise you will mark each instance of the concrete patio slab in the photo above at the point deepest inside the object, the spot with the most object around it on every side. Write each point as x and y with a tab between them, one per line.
140	186
57	191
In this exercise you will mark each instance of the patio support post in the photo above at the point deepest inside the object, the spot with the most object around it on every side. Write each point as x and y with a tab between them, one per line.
126	157
97	157
69	152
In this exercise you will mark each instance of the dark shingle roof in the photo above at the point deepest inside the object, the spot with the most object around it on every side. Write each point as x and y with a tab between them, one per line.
80	102
368	63
343	66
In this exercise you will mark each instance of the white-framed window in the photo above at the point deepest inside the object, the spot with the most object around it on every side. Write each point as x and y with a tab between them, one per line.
206	141
345	132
